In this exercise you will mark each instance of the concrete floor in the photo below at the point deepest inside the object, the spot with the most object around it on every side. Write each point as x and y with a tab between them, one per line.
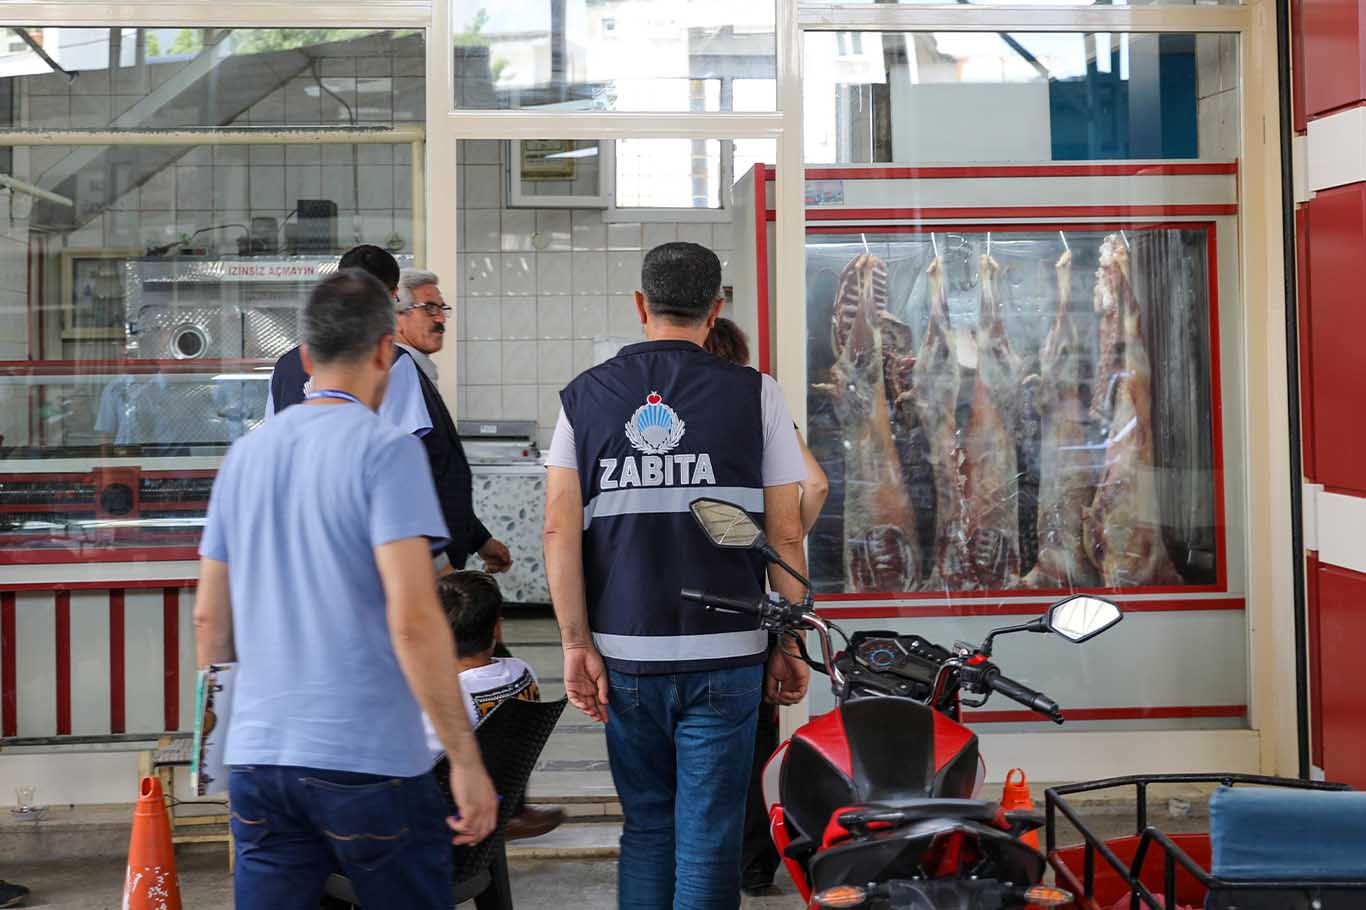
97	884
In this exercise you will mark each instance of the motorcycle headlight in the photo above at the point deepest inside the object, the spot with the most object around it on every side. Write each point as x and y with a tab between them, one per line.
841	896
1043	896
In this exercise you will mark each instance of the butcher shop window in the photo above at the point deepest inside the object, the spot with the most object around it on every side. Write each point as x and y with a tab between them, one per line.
1014	353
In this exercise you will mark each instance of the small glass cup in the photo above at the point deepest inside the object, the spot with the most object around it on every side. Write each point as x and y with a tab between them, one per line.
24	797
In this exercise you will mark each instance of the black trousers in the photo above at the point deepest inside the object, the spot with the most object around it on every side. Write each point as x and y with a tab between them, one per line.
760	858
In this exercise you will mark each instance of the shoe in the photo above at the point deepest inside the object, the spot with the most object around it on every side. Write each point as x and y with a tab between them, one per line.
12	895
533	823
757	883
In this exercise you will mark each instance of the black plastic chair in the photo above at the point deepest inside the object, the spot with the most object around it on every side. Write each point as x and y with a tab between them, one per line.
510	740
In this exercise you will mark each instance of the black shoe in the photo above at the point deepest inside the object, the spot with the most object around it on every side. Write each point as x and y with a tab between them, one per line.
756	883
12	895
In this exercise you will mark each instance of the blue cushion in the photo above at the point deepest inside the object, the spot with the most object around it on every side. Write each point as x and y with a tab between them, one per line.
1278	833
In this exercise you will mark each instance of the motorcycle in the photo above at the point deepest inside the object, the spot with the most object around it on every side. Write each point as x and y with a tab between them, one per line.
873	804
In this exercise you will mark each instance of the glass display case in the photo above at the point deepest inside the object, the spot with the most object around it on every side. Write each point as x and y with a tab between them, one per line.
1013	407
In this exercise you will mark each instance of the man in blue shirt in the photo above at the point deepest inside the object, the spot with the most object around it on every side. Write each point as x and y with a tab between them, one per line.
316	577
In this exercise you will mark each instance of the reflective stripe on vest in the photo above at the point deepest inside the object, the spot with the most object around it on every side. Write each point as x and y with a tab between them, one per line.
682	647
659	500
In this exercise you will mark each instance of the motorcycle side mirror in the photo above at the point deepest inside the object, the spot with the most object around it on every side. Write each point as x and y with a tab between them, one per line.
1082	617
730	526
727	525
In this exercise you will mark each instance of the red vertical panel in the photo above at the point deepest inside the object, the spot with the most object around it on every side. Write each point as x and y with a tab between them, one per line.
1342	629
9	677
170	636
1331	35
1299	113
117	671
761	260
1302	295
1311	577
1337	325
63	642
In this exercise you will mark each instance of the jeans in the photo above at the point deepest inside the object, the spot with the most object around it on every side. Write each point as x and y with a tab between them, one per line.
680	747
295	826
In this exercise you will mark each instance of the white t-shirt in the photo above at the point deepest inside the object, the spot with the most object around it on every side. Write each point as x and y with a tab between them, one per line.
486	687
783	462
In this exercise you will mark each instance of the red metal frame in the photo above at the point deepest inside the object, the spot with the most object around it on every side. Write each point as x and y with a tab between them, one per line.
1151	712
1216	417
761	261
170	641
1051	211
950	172
998	608
9	676
117	670
62	639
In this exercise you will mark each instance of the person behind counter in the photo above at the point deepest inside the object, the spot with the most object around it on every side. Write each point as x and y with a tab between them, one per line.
760	859
319	584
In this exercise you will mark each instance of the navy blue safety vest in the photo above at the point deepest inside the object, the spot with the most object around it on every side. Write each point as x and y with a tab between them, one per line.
287	382
656	427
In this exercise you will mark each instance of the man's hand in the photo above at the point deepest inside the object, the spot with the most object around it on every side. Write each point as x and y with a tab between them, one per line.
475	802
497	558
786	678
585	681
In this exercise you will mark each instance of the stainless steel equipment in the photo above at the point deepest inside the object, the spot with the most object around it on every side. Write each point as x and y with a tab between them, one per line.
499	441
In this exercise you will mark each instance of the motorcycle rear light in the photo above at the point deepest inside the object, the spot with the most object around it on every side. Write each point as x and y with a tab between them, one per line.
1044	896
841	896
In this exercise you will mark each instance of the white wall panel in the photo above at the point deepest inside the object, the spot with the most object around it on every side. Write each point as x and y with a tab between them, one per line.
1342	531
1336	150
142	637
35	660
89	663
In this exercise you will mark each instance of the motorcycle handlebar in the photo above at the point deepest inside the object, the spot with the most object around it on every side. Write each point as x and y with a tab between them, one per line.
1030	698
749	607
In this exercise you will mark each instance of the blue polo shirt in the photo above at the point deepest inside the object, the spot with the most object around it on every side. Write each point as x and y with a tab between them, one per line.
297	509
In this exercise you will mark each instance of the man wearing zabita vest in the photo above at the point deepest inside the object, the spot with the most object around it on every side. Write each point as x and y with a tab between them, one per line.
638	438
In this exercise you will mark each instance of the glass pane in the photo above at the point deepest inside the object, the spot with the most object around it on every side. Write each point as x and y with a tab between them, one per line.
629	56
1100	3
1024	349
146	289
668	173
902	97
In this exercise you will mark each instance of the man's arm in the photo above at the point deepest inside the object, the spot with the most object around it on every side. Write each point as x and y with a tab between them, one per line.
585	677
426	653
787	676
815	489
213	615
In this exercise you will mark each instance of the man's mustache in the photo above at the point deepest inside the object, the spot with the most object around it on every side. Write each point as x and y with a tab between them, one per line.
438	328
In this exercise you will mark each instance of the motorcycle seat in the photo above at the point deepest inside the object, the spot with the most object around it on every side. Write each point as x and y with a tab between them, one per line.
873	816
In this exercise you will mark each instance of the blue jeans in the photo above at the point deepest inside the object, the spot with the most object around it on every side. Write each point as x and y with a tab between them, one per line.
680	747
295	826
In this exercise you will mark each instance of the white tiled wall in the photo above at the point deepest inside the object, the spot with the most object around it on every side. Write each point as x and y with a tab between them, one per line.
546	293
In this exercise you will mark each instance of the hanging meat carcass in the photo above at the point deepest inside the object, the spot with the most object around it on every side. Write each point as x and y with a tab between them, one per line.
991	478
1065	465
1122	528
880	548
1112	294
936	401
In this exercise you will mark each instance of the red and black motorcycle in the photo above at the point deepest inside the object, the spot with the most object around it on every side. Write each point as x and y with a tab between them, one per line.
873	804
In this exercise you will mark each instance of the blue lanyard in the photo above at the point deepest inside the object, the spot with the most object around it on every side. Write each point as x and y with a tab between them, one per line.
332	393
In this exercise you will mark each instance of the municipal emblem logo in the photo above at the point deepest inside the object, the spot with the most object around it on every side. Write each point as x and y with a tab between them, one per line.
655	428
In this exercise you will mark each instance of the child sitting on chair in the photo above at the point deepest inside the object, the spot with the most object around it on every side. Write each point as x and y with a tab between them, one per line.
474	608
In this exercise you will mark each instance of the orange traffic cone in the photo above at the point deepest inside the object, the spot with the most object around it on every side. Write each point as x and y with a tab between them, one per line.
151	882
1015	795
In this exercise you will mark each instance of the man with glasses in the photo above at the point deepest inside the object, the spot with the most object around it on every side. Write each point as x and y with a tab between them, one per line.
422	315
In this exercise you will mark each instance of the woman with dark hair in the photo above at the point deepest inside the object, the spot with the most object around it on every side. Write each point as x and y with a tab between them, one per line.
760	860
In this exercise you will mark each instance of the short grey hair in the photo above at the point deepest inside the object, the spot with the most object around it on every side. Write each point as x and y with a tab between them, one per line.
408	281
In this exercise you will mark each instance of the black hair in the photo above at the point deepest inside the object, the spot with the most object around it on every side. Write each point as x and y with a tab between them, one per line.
727	341
370	258
345	317
681	282
473	605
